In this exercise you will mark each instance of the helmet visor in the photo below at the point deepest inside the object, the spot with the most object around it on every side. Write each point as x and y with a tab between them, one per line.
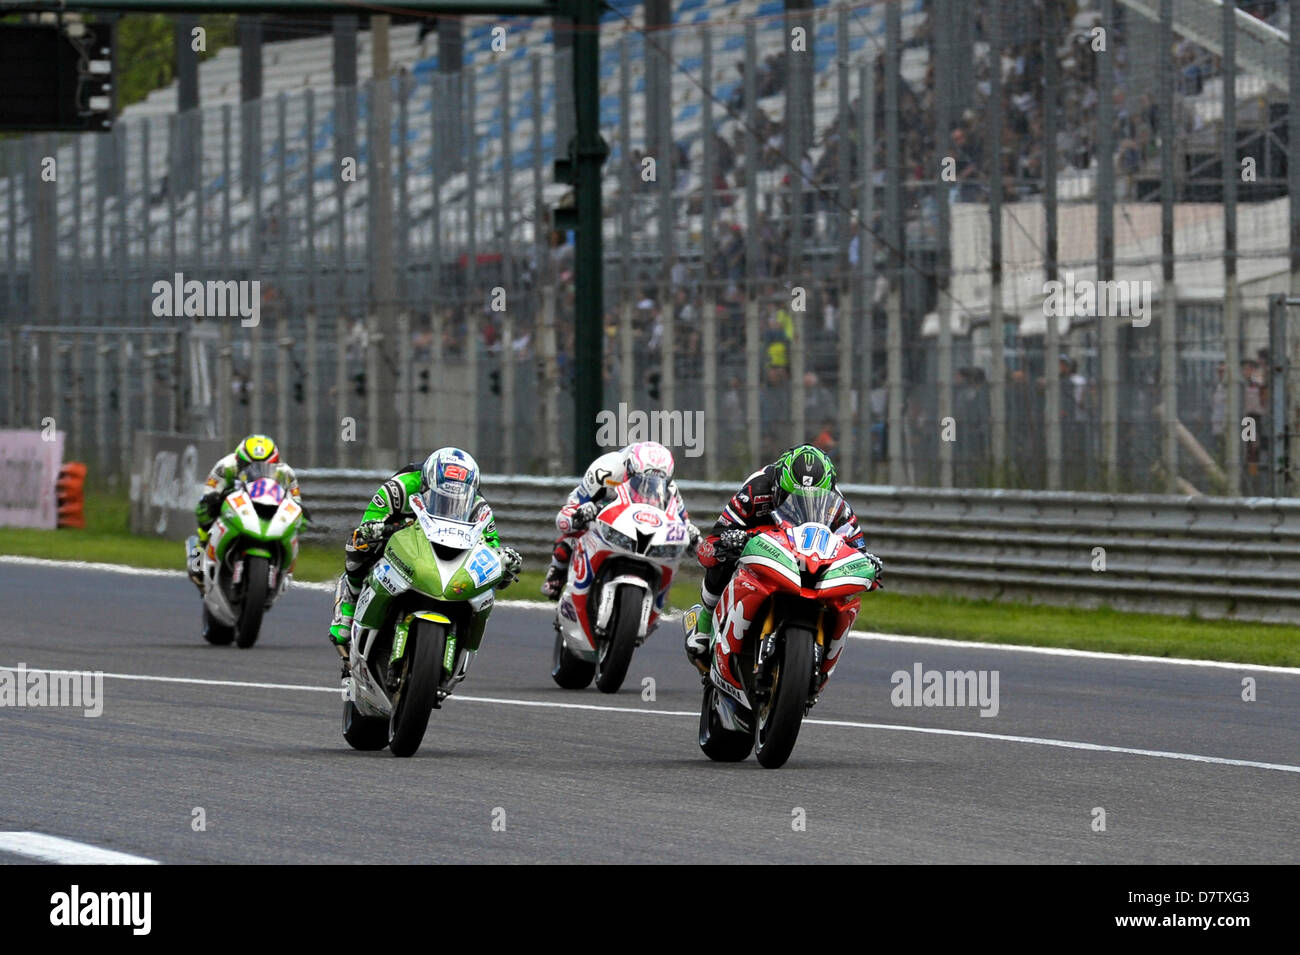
450	501
649	487
256	470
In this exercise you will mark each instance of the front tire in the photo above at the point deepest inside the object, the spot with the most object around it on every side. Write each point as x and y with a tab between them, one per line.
614	655
256	570
719	743
363	732
779	720
217	634
568	670
419	690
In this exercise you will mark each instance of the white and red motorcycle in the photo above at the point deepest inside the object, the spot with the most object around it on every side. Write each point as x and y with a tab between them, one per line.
619	575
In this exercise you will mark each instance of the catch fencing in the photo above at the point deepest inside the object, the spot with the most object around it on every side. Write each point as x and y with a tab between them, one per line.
838	224
1216	557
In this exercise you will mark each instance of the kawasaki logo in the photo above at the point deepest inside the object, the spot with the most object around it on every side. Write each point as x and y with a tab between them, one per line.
449	657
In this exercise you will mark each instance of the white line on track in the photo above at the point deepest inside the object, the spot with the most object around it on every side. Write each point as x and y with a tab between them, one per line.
38	845
892	727
858	635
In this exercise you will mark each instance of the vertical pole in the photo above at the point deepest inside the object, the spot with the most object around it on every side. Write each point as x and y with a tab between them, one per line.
1292	384
1106	327
894	238
866	298
1231	383
380	198
1279	470
312	393
507	351
660	48
1051	20
752	330
473	295
997	322
629	179
1169	293
589	155
846	313
708	291
101	403
943	265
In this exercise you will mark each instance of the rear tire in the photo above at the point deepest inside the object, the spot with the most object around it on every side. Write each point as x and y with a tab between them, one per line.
255	589
420	692
614	656
217	634
775	736
568	670
719	743
363	732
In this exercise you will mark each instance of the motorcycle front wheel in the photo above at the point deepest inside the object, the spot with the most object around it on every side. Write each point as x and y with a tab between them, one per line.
781	716
419	691
614	655
256	584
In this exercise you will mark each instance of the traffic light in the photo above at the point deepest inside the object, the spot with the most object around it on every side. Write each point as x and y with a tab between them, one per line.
56	76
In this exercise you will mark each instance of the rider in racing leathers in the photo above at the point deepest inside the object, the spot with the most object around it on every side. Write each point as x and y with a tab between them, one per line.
647	465
448	473
751	508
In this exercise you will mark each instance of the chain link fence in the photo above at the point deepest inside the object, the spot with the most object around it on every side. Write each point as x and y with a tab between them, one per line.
973	243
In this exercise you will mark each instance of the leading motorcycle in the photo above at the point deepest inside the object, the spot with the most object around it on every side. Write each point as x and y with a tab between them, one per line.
778	631
416	628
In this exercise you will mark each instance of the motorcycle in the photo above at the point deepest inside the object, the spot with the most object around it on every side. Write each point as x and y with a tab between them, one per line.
416	628
778	631
248	560
619	575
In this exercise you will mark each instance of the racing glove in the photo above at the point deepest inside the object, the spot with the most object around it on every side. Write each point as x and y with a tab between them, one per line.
369	532
693	535
584	515
878	565
730	543
511	564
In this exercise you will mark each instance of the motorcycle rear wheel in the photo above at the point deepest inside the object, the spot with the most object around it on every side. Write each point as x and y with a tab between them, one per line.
719	743
568	670
217	634
363	732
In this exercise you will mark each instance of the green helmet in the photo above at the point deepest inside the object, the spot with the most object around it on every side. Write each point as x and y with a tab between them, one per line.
803	468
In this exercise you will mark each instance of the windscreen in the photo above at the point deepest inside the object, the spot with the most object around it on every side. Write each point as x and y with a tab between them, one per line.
813	505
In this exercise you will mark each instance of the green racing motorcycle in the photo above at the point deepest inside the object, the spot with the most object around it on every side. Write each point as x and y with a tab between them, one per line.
248	559
416	628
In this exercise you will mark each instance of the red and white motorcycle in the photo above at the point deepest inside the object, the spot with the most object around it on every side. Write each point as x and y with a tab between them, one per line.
619	575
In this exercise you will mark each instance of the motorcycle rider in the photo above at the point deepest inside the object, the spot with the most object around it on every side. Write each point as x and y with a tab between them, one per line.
448	481
750	508
253	458
646	467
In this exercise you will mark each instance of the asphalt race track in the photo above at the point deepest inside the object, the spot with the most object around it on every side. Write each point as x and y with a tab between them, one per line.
584	777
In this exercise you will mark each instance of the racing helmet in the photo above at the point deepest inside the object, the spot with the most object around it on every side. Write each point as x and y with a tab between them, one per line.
804	468
256	456
649	471
451	482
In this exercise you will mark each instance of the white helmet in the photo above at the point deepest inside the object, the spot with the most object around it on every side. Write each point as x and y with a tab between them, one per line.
649	471
451	481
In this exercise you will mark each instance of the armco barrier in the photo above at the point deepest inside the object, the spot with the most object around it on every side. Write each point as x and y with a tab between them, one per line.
1216	557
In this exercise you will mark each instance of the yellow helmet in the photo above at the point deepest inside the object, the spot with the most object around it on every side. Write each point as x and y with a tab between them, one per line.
257	447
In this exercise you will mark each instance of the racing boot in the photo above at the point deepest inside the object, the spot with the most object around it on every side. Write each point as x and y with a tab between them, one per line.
194	558
698	622
345	599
